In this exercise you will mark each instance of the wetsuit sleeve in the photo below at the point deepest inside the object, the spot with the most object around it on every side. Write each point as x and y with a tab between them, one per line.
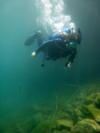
44	46
30	40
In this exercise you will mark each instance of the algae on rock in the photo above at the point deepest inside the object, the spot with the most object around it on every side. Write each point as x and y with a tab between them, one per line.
64	124
86	126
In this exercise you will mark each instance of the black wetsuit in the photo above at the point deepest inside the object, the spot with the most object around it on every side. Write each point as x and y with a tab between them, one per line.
56	48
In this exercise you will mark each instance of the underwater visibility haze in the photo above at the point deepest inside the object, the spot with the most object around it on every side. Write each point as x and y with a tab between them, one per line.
33	98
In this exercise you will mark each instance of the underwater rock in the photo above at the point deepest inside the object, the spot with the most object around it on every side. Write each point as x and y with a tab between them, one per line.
25	125
89	100
86	126
95	112
42	127
93	99
62	115
89	108
97	100
86	112
64	124
64	131
78	114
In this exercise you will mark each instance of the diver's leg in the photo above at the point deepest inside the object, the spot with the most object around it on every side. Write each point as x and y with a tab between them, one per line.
32	38
71	58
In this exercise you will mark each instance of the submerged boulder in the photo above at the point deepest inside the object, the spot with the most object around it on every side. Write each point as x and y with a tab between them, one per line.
95	112
64	124
86	126
93	99
90	108
89	100
97	100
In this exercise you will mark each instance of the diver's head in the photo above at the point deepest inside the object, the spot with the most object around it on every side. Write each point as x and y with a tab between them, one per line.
66	30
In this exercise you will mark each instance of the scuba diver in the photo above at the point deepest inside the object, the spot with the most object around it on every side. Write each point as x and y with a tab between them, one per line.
62	44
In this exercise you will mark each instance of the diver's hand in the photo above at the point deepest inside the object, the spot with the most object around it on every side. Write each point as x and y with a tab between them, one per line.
33	54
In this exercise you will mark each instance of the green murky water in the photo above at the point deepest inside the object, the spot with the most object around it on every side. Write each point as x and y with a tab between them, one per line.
50	99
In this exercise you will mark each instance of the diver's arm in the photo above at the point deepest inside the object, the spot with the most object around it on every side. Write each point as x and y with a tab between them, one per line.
30	40
42	48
